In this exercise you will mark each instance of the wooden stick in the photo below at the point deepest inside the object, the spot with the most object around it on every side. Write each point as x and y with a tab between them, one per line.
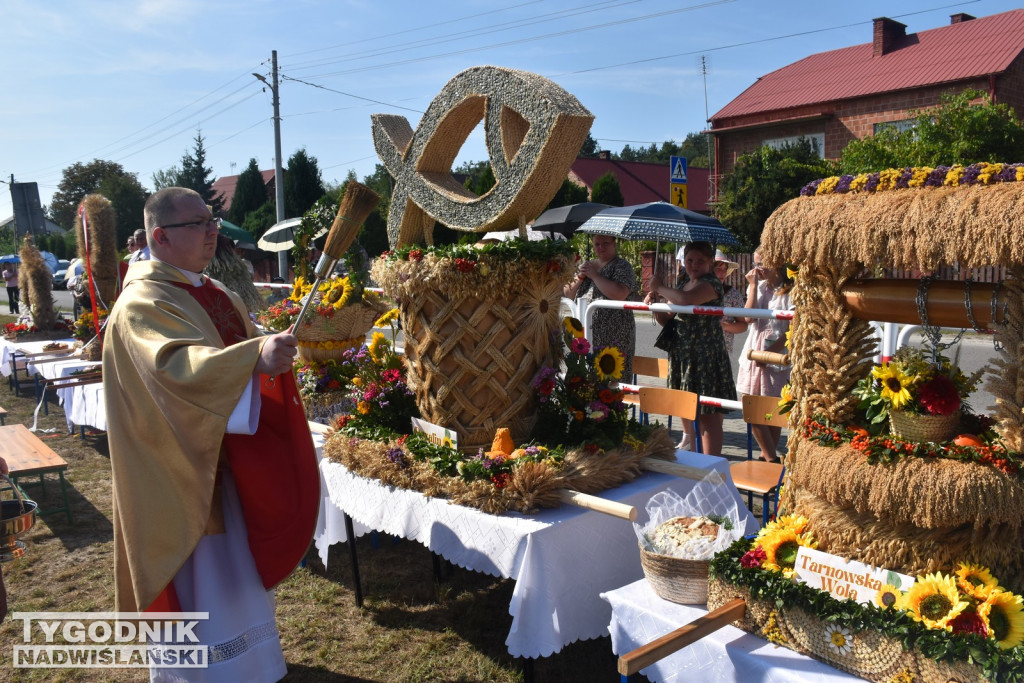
648	654
608	507
676	469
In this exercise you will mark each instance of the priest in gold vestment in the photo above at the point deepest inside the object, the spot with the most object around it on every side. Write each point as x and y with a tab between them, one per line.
215	484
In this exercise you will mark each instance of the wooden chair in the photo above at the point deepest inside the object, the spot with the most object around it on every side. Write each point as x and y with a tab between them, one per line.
648	367
757	476
683	404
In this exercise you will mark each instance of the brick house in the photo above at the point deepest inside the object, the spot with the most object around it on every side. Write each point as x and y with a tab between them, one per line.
834	97
641	182
225	187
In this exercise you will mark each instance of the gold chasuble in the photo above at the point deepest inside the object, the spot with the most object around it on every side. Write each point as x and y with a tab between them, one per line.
172	375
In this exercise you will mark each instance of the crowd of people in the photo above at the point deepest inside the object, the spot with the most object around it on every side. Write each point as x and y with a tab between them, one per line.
699	347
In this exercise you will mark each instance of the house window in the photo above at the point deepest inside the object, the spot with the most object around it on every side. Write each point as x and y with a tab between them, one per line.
817	141
900	126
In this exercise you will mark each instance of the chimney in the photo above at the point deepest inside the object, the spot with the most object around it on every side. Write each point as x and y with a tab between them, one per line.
960	17
886	34
604	154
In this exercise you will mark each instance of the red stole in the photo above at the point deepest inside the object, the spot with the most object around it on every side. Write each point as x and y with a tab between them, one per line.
275	470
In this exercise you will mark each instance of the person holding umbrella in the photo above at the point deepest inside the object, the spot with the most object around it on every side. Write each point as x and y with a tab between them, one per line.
609	276
698	361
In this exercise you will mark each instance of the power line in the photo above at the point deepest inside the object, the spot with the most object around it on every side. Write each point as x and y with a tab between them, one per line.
348	94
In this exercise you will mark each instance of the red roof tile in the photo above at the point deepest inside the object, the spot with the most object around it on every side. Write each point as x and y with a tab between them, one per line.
643	182
225	186
966	50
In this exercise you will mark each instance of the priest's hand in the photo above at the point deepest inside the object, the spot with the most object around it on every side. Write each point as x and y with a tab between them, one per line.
277	354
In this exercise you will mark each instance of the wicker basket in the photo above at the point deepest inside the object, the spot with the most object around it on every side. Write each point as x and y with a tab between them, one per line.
922	428
675	579
353	320
311	352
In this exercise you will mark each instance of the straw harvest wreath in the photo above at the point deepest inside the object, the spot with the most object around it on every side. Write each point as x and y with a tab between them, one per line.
950	512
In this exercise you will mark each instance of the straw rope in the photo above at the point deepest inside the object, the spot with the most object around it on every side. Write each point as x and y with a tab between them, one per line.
1006	377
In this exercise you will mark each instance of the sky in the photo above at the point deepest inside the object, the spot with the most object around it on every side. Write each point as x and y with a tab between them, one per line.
133	82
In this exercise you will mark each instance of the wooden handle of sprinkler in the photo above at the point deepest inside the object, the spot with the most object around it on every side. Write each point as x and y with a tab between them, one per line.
768	357
608	507
648	654
675	469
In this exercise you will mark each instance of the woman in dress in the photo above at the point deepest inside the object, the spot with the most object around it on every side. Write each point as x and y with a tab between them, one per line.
697	358
608	276
766	288
734	298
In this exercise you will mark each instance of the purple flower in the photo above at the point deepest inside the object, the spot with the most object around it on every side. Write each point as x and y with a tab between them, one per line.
937	177
810	188
843	186
872	182
1008	174
531	450
970	176
397	456
903	181
543	375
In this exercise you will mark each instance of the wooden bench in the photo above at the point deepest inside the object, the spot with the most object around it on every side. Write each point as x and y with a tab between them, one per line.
27	455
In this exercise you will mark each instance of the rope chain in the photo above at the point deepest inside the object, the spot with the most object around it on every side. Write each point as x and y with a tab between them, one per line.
932	333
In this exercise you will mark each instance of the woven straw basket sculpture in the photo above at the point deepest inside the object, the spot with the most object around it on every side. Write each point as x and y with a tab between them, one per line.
348	325
922	428
676	579
472	356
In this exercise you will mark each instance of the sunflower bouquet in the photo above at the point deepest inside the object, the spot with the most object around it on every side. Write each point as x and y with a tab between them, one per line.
583	405
913	384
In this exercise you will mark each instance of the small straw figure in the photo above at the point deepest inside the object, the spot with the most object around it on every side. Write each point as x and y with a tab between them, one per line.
37	282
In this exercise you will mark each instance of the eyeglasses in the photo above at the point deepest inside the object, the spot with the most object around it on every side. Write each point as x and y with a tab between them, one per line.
212	220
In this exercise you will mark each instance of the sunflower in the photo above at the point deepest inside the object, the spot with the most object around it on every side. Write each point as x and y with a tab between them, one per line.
386	318
975	580
336	293
895	385
889	597
376	346
573	326
794	523
1004	614
934	601
609	363
780	550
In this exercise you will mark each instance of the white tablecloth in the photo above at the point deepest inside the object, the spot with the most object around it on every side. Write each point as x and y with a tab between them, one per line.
87	407
68	396
561	559
639	616
8	349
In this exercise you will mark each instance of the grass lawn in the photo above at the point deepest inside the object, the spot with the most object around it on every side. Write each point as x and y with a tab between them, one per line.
409	629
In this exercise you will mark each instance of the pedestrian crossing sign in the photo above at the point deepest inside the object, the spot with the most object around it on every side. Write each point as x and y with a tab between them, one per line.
678	169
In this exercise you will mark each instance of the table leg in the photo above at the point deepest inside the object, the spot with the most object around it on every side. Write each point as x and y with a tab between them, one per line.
436	561
350	532
528	676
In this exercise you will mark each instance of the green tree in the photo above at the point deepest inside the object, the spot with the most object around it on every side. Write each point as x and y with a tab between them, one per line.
168	177
262	218
128	197
197	176
761	181
302	183
695	149
250	194
569	193
957	131
607	191
77	181
374	235
589	149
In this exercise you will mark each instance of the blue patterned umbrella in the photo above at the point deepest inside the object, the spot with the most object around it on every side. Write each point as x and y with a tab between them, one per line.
659	221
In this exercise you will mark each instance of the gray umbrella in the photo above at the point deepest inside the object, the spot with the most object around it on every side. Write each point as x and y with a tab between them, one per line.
659	221
566	219
281	236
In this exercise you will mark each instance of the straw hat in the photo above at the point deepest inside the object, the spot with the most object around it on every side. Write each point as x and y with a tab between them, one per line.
731	266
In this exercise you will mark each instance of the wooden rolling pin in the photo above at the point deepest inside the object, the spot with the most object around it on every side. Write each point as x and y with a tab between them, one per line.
768	357
895	301
608	507
648	654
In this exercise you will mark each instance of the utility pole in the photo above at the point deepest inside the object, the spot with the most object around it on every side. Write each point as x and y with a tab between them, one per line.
712	185
282	256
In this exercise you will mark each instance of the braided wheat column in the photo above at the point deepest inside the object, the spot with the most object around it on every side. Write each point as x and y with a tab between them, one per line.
1006	382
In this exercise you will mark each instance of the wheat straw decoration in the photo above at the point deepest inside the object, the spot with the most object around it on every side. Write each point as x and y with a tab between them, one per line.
37	276
356	205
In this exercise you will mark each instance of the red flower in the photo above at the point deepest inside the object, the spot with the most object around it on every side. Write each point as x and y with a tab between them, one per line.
401	440
547	387
554	266
500	481
333	385
416	255
607	396
939	396
753	558
464	265
969	622
591	448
